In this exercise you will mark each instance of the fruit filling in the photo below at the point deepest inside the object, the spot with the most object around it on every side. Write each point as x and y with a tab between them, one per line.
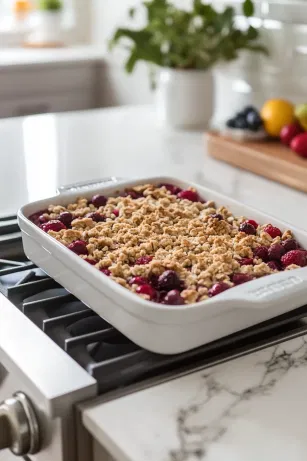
169	245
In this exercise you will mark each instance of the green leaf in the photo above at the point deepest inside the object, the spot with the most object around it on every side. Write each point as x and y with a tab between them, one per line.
188	39
252	33
248	8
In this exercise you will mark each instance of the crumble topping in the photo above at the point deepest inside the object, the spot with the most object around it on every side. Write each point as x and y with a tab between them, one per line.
150	231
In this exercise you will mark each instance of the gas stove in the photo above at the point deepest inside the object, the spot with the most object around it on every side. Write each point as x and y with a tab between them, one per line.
56	352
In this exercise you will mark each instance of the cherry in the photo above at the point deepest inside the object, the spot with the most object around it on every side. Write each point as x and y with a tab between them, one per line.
99	200
78	247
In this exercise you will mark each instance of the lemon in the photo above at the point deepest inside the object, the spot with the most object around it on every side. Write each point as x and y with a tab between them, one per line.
276	113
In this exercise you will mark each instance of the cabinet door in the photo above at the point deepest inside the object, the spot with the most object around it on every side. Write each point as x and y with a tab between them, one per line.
42	104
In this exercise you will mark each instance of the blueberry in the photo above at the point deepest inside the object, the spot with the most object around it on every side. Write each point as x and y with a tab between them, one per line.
248	109
241	123
240	115
231	123
254	121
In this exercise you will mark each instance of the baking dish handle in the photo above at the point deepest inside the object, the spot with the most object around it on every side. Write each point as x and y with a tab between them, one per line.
85	185
278	288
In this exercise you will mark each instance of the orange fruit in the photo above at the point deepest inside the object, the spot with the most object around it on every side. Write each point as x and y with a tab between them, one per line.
276	113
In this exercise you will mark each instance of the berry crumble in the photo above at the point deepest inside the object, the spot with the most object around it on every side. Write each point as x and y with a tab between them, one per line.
170	245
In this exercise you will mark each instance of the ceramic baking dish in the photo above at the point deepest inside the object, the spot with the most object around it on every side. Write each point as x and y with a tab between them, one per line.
156	327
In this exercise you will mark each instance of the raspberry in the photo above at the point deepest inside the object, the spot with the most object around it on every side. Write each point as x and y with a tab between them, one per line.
297	257
272	231
218	288
247	228
276	251
253	223
262	253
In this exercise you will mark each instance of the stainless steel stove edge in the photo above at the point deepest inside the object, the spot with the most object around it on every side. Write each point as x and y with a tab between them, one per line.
52	379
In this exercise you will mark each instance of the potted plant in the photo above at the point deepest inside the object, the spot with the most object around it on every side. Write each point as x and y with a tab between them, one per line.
185	45
47	30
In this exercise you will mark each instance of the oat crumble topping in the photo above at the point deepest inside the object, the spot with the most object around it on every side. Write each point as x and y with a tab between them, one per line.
168	245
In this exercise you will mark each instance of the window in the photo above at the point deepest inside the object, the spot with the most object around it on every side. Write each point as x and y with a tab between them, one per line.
76	22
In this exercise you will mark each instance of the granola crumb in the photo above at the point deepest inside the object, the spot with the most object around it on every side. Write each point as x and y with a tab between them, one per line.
200	242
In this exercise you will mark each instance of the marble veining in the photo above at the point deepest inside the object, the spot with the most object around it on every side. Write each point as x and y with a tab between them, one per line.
196	438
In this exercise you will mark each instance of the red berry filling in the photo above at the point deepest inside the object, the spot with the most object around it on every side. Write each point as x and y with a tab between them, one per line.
168	281
173	298
147	290
78	247
143	260
97	217
246	261
272	231
262	253
217	216
138	281
106	272
218	288
90	261
174	190
35	217
53	225
66	218
276	251
247	228
297	257
274	265
238	279
253	223
290	245
99	200
190	195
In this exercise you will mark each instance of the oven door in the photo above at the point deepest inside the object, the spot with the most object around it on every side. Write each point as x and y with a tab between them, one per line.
39	385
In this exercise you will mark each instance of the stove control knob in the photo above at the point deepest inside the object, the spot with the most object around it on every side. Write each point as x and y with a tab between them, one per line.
19	428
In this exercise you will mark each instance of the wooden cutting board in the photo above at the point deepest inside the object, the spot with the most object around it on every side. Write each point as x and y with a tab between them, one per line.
270	159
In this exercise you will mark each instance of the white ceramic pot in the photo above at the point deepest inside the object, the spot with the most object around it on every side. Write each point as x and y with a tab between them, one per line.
47	30
185	98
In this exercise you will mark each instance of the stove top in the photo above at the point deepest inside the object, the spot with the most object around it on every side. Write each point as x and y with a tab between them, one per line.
108	356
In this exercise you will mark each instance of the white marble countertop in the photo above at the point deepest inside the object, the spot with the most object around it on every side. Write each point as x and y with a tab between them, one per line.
126	142
21	57
249	409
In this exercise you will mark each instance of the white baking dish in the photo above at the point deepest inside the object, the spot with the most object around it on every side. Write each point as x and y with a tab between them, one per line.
160	328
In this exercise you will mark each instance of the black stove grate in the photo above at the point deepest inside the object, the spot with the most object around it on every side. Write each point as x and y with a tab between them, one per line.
112	359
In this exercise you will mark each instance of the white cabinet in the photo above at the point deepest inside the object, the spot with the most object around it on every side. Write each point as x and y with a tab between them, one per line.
52	87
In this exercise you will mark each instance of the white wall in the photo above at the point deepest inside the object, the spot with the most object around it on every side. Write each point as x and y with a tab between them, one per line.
118	87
